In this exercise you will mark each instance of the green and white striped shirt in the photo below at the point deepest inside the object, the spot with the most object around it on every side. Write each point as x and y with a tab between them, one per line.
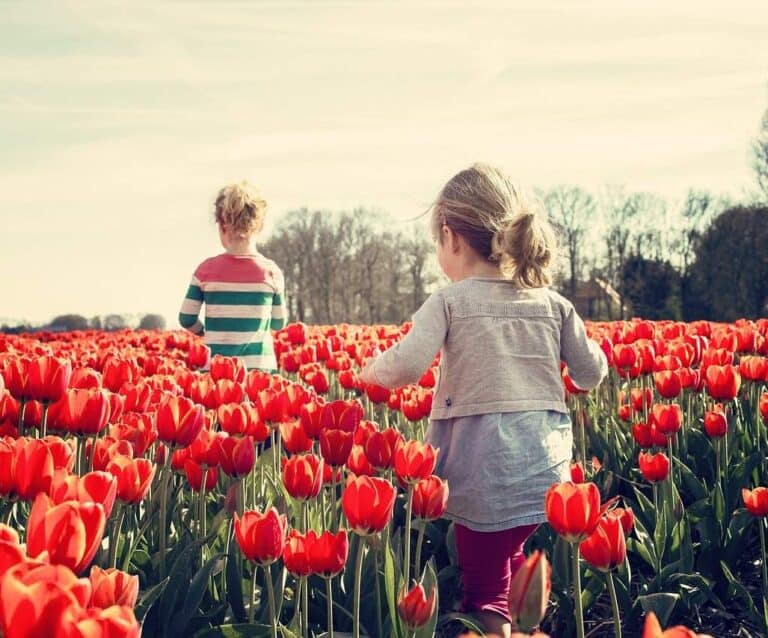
244	301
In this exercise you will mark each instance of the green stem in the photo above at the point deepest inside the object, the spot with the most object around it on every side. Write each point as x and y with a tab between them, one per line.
44	422
408	511
358	578
114	535
22	409
329	606
305	608
577	592
419	542
762	551
252	599
379	623
614	606
165	472
202	517
334	522
271	595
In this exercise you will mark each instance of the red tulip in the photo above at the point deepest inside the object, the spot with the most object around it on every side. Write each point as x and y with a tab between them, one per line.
335	446
380	448
84	412
179	421
415	608
34	603
235	418
261	536
668	418
106	449
117	621
529	591
113	587
194	473
295	440
647	435
358	463
237	456
134	477
48	378
605	547
368	504
654	467
328	553
667	383
116	372
715	423
230	368
430	498
16	375
94	487
310	419
296	553
71	532
763	406
573	510
722	382
626	517
414	461
303	476
756	500
7	474
577	472
33	468
199	355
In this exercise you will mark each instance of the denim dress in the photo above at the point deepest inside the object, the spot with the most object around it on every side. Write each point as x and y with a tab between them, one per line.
499	466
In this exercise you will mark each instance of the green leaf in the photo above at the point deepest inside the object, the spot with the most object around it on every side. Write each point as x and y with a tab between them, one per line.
148	598
391	580
195	593
660	604
468	621
235	586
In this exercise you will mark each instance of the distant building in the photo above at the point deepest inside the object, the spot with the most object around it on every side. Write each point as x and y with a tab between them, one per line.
596	299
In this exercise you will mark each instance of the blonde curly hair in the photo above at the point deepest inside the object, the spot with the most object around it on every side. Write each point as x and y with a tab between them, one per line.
241	208
482	205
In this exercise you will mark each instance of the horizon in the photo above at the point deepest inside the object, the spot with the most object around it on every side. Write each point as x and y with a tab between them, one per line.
121	123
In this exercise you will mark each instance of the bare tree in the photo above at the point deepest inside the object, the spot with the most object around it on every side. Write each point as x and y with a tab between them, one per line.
760	160
570	209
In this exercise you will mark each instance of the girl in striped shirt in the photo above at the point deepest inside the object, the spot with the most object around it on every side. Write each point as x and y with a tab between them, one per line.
243	291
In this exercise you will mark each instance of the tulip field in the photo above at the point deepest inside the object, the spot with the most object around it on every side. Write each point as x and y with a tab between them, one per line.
149	489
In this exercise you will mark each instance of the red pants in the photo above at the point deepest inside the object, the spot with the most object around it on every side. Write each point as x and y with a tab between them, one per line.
488	560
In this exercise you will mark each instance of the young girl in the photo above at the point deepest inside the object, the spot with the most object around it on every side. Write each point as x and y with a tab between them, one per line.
242	290
498	416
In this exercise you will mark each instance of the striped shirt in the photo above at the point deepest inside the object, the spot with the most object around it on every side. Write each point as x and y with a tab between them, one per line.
244	301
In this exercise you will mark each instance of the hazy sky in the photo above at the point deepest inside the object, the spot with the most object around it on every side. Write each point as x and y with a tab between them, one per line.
119	122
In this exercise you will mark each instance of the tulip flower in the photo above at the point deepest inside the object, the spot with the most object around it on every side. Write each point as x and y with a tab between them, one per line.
715	423
430	498
296	552
295	440
199	355
48	378
113	587
667	383
94	487
626	517
654	467
572	509
763	406
327	552
756	501
529	591
303	476
33	468
71	532
261	536
415	608
117	621
414	461
179	421
722	382
196	474
335	446
577	472
134	477
605	548
368	503
230	368
668	418
380	448
237	455
310	419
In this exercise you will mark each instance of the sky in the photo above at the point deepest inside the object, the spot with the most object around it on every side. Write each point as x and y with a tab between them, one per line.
119	122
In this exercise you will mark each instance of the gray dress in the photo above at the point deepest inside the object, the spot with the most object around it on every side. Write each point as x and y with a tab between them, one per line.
514	456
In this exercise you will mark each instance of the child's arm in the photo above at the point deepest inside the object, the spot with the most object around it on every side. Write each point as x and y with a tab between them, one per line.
587	365
279	312
190	308
407	360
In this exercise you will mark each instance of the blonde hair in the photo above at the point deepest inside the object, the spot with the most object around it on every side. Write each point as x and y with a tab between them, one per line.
241	207
483	206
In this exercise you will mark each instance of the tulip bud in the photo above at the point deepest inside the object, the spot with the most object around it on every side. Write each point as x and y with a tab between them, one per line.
529	592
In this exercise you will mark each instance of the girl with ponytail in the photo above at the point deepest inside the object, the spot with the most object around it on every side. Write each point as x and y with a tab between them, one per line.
498	414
